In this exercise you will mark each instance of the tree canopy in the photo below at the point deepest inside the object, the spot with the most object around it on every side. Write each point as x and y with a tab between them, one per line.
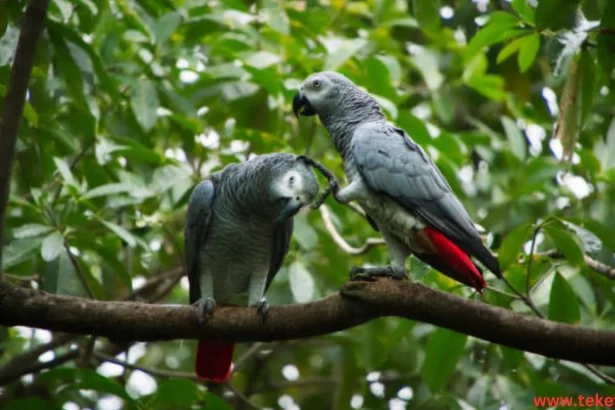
131	103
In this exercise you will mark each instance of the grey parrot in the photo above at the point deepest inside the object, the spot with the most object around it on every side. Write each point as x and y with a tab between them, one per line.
403	192
238	229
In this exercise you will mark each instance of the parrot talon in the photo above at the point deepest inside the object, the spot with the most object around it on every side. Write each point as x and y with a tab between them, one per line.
262	307
206	308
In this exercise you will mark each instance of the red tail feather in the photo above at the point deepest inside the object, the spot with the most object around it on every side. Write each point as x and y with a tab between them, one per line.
213	360
456	259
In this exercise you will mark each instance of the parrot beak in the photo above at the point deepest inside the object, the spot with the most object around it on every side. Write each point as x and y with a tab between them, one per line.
290	209
302	106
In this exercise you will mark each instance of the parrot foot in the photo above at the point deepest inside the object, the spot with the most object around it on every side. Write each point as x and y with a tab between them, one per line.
360	273
262	307
206	308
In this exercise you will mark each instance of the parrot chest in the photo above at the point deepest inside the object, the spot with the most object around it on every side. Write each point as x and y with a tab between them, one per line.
233	257
393	219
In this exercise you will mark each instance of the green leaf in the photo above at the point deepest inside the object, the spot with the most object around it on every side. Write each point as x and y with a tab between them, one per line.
603	232
556	14
213	402
301	282
525	10
528	51
343	51
444	349
110	189
565	242
563	302
165	26
428	15
174	394
125	235
510	49
512	245
64	170
31	230
30	114
52	246
606	41
500	27
512	357
19	251
144	102
515	136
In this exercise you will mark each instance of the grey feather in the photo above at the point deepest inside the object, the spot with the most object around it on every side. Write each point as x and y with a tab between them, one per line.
377	147
235	244
198	218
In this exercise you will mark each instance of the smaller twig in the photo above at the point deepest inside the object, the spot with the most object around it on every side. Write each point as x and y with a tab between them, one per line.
174	275
601	268
340	241
80	274
20	278
530	259
154	372
501	292
243	397
254	349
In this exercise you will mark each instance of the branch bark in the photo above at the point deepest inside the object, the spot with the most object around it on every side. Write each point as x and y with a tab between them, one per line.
357	303
31	28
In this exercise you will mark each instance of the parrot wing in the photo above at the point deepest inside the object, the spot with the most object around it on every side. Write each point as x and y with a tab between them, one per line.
198	218
279	247
393	164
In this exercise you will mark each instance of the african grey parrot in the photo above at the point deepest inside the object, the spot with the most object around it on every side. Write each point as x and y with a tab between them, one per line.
402	191
238	228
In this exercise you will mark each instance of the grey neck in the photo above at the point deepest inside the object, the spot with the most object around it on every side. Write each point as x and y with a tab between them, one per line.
353	109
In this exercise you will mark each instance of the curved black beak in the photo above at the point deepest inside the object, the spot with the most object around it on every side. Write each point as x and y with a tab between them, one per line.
302	106
289	210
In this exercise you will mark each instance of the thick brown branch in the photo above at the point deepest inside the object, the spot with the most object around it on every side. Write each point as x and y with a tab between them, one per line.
31	28
357	303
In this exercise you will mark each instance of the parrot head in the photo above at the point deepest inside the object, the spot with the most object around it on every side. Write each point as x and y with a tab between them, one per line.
320	92
294	187
332	97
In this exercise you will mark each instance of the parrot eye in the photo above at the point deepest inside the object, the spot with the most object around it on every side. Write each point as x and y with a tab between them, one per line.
291	180
316	84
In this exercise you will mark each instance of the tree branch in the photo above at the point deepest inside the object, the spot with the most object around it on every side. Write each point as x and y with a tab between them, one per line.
31	28
602	268
357	303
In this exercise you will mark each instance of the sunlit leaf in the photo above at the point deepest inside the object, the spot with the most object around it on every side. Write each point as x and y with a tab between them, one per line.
301	282
144	103
52	245
566	243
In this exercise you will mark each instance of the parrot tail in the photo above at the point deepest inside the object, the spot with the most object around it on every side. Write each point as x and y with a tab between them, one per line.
213	360
452	261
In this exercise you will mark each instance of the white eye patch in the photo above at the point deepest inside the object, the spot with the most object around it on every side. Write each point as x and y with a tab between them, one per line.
290	184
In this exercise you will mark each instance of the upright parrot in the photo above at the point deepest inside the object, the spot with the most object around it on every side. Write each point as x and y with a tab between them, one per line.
403	192
238	228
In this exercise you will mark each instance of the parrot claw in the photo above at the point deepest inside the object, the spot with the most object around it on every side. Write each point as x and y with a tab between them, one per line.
206	308
262	307
371	274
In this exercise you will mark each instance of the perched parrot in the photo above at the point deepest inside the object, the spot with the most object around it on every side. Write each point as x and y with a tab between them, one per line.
238	228
403	192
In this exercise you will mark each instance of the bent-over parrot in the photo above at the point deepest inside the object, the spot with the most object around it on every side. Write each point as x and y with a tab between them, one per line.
402	191
238	229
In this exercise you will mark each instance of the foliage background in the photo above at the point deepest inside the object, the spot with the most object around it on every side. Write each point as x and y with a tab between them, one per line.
132	103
